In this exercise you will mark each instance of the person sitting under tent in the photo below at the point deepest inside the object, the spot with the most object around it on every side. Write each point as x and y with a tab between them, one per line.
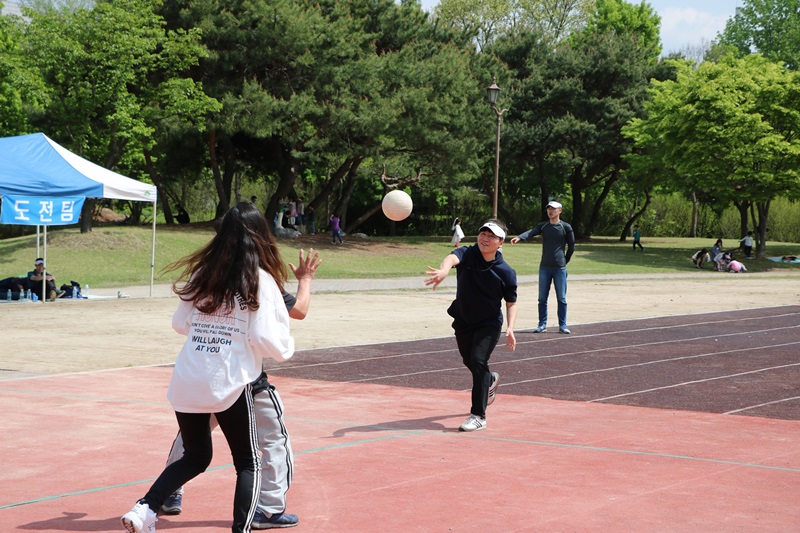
15	285
35	278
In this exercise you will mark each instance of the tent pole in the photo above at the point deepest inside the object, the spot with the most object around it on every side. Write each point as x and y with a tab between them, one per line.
37	241
44	258
153	254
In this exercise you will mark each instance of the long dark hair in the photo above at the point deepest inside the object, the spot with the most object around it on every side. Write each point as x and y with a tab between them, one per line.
229	264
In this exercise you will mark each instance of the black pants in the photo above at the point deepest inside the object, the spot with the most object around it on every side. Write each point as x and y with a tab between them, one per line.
475	346
239	426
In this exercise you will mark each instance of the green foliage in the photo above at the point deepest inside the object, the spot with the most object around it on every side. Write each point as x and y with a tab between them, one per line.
21	90
569	107
493	19
727	128
114	77
768	27
638	22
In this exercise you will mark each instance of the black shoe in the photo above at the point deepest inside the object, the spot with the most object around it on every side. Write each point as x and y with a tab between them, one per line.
172	505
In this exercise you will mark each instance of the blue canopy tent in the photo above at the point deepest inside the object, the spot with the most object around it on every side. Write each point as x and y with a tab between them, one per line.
43	183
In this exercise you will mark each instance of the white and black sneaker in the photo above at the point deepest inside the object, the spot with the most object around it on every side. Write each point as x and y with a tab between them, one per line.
493	388
473	423
140	519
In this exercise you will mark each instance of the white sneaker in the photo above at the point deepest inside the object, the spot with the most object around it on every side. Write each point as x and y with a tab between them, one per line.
493	388
473	423
140	519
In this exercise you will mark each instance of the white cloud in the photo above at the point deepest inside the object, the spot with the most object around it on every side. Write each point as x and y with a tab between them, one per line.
688	26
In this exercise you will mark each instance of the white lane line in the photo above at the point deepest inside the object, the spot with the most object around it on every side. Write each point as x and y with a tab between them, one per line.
728	376
761	405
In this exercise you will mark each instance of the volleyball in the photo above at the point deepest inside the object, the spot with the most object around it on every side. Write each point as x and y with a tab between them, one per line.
397	205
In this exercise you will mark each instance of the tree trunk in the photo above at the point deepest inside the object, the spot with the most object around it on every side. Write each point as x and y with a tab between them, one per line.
87	212
344	201
162	194
744	212
761	230
577	203
636	215
598	204
695	215
334	181
287	173
366	216
222	179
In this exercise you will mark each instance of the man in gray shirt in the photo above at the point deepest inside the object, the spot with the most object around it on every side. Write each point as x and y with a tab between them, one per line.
558	244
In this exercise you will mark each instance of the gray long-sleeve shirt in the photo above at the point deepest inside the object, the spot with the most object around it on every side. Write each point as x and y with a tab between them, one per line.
558	243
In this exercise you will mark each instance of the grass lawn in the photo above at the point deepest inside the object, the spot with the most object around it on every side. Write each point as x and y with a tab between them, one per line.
116	256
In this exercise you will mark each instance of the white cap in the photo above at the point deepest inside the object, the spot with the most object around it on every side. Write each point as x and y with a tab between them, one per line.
554	204
38	262
494	228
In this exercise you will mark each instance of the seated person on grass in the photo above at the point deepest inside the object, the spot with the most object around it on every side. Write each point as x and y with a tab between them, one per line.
736	266
700	258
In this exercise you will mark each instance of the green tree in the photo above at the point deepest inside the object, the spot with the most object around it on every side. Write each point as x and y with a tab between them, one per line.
768	27
113	76
729	128
554	20
571	103
325	86
21	89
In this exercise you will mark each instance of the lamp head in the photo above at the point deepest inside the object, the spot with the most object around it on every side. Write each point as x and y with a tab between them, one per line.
493	92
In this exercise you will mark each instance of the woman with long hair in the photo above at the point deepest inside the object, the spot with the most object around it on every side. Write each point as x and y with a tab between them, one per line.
458	233
233	315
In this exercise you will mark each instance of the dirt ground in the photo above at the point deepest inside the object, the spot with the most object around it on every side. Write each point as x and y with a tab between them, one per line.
106	333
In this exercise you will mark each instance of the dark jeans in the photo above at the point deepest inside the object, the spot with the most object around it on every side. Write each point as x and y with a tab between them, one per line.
475	346
239	426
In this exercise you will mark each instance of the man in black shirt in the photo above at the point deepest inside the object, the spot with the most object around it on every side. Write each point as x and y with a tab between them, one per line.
483	280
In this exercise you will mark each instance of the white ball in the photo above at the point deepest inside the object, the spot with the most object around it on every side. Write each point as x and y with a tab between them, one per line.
397	205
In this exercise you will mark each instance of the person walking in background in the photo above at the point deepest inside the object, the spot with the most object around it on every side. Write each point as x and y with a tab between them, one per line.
231	310
277	460
458	233
484	279
747	244
336	230
558	245
637	238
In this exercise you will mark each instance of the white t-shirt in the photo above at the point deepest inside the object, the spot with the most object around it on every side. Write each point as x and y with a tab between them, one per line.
223	351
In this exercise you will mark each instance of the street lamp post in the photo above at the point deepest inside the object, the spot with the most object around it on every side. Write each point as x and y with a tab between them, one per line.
493	92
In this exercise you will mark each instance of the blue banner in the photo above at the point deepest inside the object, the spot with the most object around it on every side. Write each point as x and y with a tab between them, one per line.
40	211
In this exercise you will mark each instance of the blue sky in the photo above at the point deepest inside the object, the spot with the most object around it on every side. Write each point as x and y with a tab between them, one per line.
683	22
